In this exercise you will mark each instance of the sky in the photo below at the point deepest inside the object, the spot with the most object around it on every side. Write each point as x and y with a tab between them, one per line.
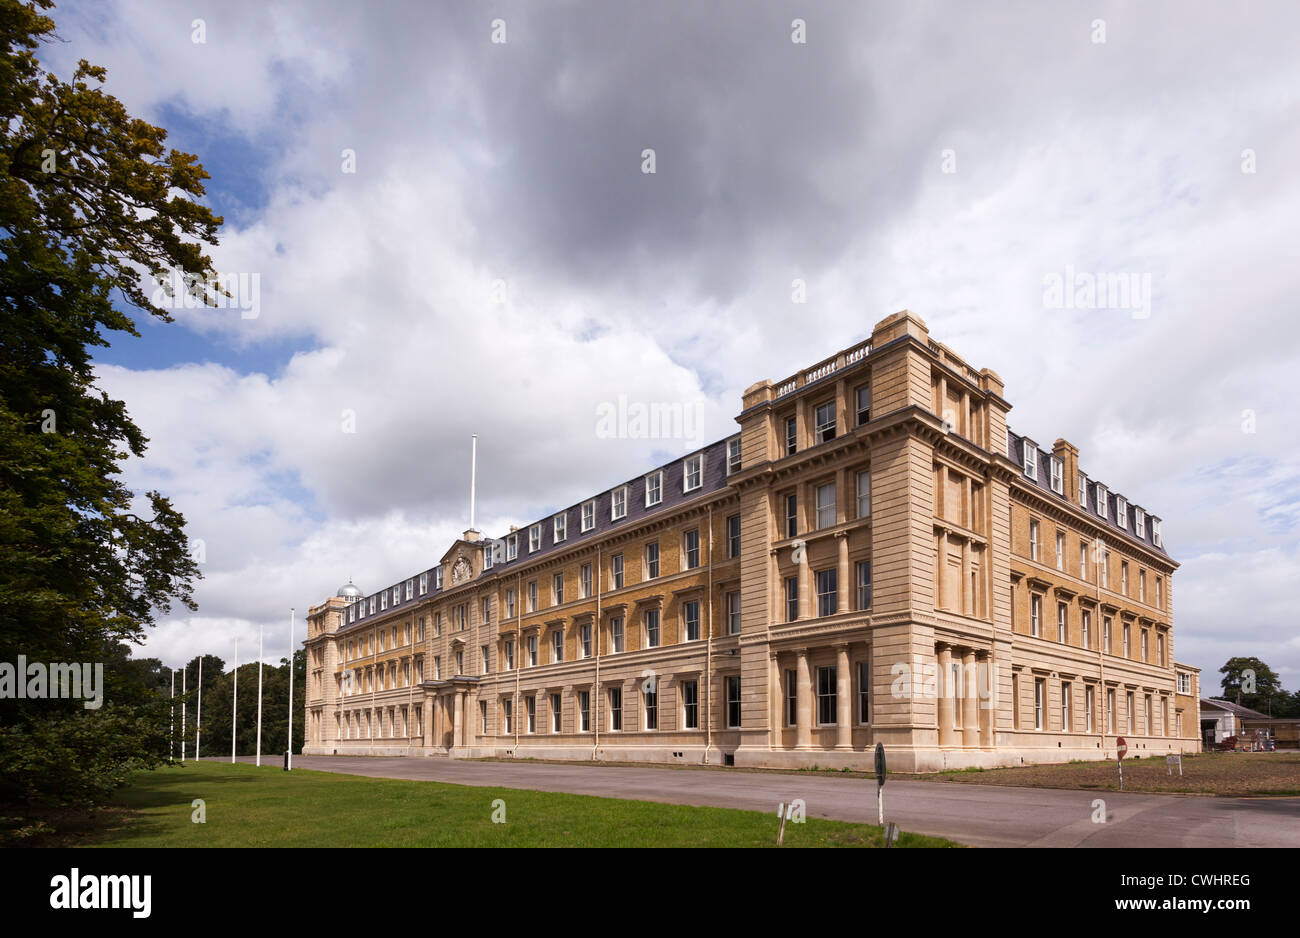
445	226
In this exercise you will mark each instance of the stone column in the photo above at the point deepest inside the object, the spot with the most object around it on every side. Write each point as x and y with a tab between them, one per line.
803	711
967	596
845	584
428	722
945	702
970	726
775	698
940	566
843	698
987	705
457	720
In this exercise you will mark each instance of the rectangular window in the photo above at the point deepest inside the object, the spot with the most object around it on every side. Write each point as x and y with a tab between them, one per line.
1155	532
733	702
616	633
616	570
1085	627
827	592
1088	725
1054	468
532	596
1083	490
615	709
1121	511
557	645
1065	707
584	710
534	538
733	536
825	422
510	655
1039	702
1083	560
791	697
1139	522
487	557
825	505
584	580
1030	459
791	598
864	494
692	549
1110	710
424	583
1035	613
584	635
692	472
792	515
863	569
1160	650
483	653
1145	633
1129	717
1060	551
691	705
618	504
733	455
487	610
1142	586
1062	620
588	515
1123	577
1127	645
530	705
691	620
1105	635
733	613
651	622
557	713
510	603
557	589
652	560
560	528
864	692
1102	499
512	547
460	662
863	395
650	704
532	651
1184	682
826	703
383	600
1160	593
1033	540
791	436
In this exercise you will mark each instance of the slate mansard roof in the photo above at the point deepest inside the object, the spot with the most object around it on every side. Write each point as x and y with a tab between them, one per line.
1043	480
713	479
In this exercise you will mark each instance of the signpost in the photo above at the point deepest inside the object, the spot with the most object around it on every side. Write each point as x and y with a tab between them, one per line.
880	782
1175	759
1121	747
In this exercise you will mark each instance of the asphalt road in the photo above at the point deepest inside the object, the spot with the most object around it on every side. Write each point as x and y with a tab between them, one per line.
979	815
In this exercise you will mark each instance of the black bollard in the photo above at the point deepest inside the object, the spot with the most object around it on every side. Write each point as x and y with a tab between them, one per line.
286	760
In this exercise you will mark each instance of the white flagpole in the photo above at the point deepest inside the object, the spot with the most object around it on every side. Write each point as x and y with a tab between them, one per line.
288	764
171	722
183	672
198	713
473	478
234	704
259	695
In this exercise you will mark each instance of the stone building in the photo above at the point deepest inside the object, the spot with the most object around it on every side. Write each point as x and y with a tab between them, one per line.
873	557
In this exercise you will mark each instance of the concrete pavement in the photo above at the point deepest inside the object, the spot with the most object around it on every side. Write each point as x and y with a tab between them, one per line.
979	815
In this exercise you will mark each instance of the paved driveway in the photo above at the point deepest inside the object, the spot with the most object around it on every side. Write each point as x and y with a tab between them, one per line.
980	815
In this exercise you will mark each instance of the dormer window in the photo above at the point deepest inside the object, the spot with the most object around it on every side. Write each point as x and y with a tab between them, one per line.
1155	532
534	538
654	489
1030	459
437	579
424	583
560	528
383	600
512	547
410	589
487	557
589	515
693	472
733	455
372	605
618	503
1083	490
1058	484
397	595
1102	498
1139	522
1121	511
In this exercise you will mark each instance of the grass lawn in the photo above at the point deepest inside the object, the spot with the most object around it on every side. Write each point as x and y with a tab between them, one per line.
249	806
1208	773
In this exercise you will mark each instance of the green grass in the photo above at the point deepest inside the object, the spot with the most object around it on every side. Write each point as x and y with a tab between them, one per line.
263	807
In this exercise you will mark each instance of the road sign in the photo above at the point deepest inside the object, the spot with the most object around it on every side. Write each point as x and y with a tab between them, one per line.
1176	759
1121	747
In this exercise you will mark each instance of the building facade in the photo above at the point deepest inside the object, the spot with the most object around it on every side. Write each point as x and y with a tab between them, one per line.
873	557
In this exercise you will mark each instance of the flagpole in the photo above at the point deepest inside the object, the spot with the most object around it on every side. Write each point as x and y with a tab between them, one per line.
234	704
198	713
171	721
259	695
288	759
184	670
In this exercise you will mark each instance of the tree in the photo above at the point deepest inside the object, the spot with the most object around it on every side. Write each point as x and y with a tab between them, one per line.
1251	683
91	203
